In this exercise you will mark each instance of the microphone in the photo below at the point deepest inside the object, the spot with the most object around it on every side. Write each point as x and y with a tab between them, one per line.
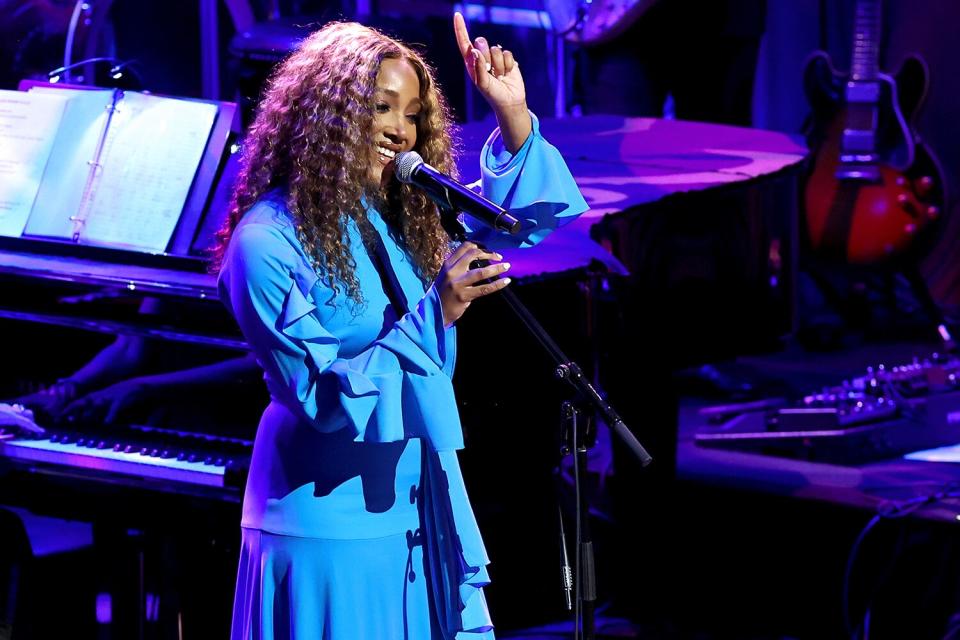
409	168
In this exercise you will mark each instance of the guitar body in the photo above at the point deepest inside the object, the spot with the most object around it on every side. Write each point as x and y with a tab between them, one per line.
865	221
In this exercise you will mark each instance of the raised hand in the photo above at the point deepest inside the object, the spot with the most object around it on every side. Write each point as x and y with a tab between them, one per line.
459	285
496	74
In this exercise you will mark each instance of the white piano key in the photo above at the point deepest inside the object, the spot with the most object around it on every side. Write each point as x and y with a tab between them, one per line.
132	463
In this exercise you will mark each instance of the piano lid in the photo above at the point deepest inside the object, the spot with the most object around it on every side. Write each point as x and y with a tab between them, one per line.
100	266
620	163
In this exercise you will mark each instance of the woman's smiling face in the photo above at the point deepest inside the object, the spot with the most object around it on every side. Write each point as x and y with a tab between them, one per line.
396	111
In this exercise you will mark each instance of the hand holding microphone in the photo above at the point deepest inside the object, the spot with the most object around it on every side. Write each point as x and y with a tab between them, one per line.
460	282
468	273
409	168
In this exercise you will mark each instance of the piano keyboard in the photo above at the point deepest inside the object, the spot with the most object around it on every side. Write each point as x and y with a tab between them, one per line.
143	452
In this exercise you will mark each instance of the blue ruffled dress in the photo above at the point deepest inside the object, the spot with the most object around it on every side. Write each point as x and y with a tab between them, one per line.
356	523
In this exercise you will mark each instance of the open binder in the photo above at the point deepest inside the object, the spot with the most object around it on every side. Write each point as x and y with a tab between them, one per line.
108	167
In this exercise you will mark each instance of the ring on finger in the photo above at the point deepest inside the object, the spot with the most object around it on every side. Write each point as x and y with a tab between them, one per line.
490	69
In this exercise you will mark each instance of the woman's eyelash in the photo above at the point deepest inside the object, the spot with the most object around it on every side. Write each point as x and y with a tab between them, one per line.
383	107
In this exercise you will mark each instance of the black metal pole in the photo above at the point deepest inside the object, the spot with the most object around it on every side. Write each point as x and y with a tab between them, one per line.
585	574
569	371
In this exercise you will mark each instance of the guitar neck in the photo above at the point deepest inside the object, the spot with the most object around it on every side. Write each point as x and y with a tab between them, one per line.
858	147
866	41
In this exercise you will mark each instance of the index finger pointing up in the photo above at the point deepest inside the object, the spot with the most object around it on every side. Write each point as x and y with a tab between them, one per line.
463	38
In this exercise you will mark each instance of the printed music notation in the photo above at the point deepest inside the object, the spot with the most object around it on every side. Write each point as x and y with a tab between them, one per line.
26	123
119	169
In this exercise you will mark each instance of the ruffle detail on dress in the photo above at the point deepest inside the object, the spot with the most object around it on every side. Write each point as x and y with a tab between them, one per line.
425	327
298	323
381	391
457	558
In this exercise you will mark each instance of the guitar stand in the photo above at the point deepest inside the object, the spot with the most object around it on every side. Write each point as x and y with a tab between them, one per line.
567	370
907	268
921	290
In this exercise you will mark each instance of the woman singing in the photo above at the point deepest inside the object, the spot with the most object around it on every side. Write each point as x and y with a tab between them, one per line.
356	524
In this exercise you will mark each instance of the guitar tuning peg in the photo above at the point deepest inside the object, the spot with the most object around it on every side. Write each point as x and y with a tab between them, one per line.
933	212
902	199
909	228
924	186
901	181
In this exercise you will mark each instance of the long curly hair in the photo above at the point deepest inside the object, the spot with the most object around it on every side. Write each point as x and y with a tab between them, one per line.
313	133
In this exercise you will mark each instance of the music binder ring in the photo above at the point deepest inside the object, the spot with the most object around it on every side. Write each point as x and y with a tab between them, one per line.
80	218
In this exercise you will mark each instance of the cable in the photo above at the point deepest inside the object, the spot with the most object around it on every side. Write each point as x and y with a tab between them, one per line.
577	577
71	33
848	571
116	71
67	67
889	510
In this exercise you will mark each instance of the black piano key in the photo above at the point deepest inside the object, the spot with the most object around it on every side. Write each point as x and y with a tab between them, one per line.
226	453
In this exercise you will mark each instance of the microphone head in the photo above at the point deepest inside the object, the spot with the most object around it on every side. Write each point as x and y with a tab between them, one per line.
404	164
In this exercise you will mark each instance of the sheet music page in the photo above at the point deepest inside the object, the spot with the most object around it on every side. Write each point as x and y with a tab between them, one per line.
63	182
152	152
28	128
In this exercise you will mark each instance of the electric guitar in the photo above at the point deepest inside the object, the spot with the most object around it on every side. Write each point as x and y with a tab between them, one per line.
875	188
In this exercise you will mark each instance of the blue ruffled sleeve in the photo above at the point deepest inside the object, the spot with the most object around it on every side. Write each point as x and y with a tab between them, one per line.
534	185
375	393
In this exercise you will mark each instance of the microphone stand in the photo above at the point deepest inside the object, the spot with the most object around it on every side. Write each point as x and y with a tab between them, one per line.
570	372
